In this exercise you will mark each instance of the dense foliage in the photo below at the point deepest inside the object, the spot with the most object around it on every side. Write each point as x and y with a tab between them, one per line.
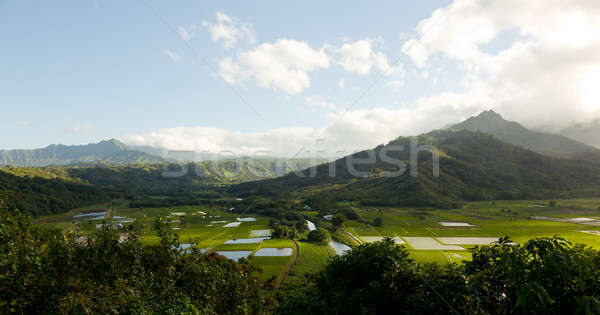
45	271
543	276
37	195
57	189
52	271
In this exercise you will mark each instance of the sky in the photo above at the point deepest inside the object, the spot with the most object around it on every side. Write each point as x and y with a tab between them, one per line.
286	79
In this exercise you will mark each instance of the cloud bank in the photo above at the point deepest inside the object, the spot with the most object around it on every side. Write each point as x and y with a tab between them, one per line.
545	73
542	78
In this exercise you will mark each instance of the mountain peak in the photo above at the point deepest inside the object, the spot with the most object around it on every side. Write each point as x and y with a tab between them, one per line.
112	143
113	140
486	121
514	133
490	114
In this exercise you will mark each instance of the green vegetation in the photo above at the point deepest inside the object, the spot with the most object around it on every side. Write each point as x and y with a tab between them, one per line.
39	195
48	271
543	276
125	255
57	189
118	291
318	236
472	166
311	260
512	132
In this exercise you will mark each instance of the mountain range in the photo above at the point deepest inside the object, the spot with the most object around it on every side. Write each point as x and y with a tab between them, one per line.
115	152
109	151
514	133
482	158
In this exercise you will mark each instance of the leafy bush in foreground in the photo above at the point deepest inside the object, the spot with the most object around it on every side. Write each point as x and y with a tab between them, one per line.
47	271
543	276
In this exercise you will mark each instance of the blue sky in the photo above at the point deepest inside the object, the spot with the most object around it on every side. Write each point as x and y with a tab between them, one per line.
81	71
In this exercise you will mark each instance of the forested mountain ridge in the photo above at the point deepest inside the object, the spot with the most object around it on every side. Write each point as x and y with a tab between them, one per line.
472	166
56	189
45	194
109	151
514	133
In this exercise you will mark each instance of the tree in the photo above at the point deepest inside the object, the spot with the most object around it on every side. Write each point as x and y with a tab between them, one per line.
44	270
301	226
318	236
338	220
378	221
543	276
374	279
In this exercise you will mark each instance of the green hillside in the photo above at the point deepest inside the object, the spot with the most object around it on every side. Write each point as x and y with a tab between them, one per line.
111	151
473	166
56	189
45	193
514	133
177	179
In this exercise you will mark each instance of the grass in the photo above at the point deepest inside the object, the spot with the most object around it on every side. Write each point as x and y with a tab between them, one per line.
195	230
490	219
312	258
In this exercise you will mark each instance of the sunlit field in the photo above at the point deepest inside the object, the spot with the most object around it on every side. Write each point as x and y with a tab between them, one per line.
204	228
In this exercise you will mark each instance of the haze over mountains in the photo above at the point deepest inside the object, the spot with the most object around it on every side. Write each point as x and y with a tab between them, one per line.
110	151
588	132
115	152
482	158
514	133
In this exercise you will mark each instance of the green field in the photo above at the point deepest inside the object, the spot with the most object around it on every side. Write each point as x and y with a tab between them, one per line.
487	219
194	228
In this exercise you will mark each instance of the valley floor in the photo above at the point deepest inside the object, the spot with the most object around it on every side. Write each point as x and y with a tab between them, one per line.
431	235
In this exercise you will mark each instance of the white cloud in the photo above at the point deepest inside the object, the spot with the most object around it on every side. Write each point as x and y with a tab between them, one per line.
175	57
394	85
548	74
215	140
341	83
319	102
405	35
346	132
360	57
83	129
229	30
283	65
187	33
541	77
24	123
